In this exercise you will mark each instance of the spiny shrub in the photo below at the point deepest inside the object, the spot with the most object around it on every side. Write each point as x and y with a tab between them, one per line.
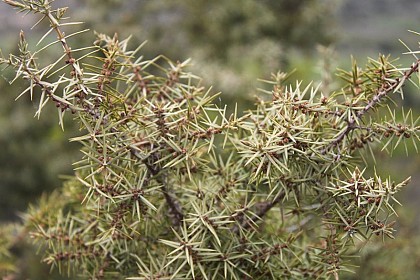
171	186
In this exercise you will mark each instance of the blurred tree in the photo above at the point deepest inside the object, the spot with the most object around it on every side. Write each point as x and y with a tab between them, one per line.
215	27
233	42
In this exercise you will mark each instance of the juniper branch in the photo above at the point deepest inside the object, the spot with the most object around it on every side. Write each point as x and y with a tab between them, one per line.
385	89
149	131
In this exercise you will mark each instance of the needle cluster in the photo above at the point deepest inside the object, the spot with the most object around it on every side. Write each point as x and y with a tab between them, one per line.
172	187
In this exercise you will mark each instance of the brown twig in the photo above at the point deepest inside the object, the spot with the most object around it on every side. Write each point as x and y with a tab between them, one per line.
171	200
62	38
263	208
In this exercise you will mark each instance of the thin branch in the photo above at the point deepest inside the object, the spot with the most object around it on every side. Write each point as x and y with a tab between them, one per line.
38	82
263	208
62	38
382	92
388	88
171	199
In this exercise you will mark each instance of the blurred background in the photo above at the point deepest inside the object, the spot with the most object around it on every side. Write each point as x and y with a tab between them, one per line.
232	44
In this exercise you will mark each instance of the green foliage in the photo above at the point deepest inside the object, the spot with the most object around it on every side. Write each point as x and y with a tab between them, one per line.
172	187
